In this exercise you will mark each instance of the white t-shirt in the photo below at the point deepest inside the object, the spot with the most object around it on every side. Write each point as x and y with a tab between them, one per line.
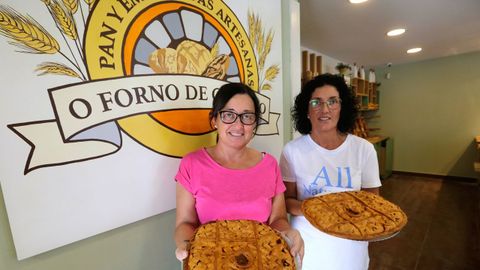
316	170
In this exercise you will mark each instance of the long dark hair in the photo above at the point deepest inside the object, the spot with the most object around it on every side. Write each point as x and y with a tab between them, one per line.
348	112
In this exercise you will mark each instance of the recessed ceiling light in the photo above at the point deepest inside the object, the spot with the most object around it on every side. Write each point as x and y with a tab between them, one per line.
414	50
396	32
357	1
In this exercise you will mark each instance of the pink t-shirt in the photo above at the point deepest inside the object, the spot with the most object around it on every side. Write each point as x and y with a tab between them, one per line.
228	194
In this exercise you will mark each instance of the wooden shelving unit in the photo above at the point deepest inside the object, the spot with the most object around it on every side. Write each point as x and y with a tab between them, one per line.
476	164
367	96
311	66
366	93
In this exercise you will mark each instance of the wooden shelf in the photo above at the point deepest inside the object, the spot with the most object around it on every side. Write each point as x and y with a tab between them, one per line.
366	93
476	164
376	139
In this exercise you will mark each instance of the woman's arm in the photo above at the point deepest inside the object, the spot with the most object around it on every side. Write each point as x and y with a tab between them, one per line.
279	221
371	172
278	217
186	221
294	206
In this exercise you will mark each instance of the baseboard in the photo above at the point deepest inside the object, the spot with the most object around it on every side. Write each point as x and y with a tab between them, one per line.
443	177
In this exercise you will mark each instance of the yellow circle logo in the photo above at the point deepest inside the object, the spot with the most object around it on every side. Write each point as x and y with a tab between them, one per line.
200	38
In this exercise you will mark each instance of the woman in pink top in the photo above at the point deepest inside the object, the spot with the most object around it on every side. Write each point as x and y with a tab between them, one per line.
230	181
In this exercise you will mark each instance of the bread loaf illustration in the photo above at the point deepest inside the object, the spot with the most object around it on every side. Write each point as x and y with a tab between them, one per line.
163	60
217	69
189	57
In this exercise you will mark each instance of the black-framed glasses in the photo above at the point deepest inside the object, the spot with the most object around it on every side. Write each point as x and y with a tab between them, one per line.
229	117
332	103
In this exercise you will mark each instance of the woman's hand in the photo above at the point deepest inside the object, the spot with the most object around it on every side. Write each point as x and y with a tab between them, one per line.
182	252
186	222
296	243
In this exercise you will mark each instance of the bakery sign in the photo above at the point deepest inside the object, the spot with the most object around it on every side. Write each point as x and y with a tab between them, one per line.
123	81
143	61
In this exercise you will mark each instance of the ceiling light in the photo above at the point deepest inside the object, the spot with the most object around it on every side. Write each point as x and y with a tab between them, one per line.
414	50
396	32
357	1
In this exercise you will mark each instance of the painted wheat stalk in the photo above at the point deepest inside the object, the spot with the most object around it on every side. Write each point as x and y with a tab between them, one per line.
270	75
26	32
266	49
56	69
252	34
63	19
272	72
71	5
90	3
260	36
262	46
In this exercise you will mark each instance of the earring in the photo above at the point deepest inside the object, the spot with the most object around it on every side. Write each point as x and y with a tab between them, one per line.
215	126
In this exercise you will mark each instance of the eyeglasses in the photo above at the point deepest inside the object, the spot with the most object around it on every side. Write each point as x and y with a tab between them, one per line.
332	103
229	117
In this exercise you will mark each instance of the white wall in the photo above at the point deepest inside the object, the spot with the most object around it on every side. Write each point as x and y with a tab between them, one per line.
431	109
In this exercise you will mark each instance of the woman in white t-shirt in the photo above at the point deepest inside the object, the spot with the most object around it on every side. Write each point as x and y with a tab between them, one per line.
327	158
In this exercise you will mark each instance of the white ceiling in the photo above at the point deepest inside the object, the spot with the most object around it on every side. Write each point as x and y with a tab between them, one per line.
356	33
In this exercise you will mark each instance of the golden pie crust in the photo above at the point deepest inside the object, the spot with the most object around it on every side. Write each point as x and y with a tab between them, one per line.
356	215
238	244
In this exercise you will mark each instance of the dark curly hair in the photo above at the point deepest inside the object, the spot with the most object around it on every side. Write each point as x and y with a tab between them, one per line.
348	112
227	91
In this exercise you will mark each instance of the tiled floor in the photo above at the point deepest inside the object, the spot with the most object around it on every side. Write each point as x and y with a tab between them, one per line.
442	230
